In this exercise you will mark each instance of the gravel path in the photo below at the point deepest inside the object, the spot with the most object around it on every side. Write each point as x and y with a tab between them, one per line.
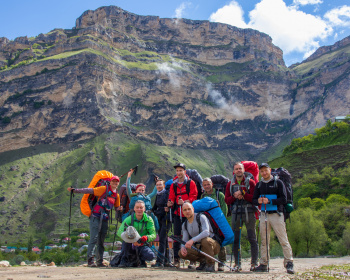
276	272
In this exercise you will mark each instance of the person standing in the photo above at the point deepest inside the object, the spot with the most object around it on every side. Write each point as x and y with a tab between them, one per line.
220	198
159	209
270	192
238	195
183	189
107	199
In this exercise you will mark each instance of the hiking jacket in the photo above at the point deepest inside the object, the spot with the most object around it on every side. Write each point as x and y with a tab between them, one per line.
271	187
137	196
222	202
143	227
181	191
248	196
160	202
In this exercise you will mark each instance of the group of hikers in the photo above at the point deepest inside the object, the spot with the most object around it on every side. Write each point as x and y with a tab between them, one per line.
195	234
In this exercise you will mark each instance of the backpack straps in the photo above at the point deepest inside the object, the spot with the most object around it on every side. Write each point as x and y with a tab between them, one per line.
188	187
198	219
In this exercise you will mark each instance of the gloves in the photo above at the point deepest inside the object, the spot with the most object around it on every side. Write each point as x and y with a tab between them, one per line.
143	239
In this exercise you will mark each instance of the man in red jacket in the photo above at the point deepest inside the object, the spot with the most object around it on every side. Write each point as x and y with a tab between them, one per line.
238	195
182	190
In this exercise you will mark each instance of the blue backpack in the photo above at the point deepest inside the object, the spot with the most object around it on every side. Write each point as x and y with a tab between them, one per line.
222	230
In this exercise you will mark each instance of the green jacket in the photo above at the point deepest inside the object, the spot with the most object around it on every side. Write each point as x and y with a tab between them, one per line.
222	202
148	226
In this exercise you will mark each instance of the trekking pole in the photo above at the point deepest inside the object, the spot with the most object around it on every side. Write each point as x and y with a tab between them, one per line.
201	252
70	214
160	254
239	237
234	230
180	210
267	244
115	233
135	171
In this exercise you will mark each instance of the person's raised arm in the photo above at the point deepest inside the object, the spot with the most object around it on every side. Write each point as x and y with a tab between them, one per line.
128	188
153	193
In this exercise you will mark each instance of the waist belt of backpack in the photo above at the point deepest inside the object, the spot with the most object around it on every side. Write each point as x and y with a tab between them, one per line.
245	206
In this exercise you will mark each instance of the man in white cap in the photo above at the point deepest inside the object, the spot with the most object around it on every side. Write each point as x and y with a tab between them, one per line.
137	230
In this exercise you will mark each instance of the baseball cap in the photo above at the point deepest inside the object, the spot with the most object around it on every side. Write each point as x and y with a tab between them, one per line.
264	165
180	165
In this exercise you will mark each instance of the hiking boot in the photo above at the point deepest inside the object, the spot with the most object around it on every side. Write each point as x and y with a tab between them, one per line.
290	268
210	267
91	262
237	268
221	267
253	267
201	266
261	268
192	265
122	265
157	265
102	265
177	263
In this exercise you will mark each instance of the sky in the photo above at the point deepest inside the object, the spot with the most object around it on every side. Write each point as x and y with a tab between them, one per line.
298	27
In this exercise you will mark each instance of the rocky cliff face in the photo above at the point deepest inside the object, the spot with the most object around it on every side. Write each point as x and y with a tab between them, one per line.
171	82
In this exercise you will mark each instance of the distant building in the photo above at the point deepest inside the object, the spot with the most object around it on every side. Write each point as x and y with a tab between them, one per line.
36	250
156	242
340	119
81	240
83	235
66	239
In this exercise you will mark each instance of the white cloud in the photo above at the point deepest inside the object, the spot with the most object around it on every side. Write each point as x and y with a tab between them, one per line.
231	14
179	11
307	2
230	106
173	70
291	29
339	16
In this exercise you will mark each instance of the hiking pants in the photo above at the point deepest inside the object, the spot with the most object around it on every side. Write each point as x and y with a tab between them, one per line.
163	238
129	251
145	253
278	225
177	233
254	247
208	245
222	254
96	238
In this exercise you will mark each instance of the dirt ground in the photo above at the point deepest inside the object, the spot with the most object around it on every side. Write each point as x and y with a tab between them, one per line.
276	271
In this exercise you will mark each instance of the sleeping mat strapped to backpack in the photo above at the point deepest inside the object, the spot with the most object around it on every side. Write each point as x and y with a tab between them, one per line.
218	222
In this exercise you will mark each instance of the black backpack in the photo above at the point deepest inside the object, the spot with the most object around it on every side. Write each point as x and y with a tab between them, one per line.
219	182
218	235
197	178
283	174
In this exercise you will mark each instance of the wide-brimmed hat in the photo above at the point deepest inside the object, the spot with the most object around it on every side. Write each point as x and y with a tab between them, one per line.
130	235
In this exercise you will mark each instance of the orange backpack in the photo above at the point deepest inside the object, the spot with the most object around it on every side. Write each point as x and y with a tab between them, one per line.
88	201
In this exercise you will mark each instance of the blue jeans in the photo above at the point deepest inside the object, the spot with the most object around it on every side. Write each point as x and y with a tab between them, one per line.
97	238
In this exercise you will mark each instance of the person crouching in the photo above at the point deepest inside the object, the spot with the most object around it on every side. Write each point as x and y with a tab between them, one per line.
198	232
135	245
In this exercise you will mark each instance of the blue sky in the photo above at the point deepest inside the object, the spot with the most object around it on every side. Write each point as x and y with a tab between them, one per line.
298	27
